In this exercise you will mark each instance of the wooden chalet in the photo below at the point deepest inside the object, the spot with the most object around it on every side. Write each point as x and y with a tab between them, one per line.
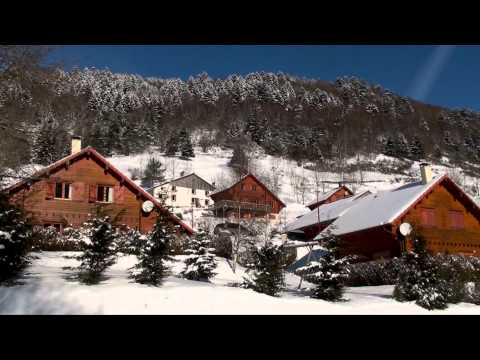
247	198
436	208
67	192
341	192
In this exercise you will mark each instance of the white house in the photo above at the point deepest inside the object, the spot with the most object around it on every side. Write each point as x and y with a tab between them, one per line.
185	192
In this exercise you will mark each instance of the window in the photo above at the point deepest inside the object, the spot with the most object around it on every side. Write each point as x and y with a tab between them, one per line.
428	217
62	191
194	191
206	202
174	197
456	219
207	192
174	188
105	194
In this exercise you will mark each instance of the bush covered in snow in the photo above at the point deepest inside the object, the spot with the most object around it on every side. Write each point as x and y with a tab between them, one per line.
97	238
200	261
373	273
154	253
15	238
266	272
49	239
329	273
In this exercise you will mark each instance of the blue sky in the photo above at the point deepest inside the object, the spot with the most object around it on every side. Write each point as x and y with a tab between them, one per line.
441	75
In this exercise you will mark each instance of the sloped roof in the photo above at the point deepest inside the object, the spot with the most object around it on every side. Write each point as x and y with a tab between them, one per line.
387	206
327	195
210	186
47	171
243	178
326	212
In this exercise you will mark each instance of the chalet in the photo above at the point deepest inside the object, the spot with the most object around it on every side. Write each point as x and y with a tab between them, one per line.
185	192
68	191
333	195
436	208
247	198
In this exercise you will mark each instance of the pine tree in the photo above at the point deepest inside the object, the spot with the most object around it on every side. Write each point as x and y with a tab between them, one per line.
98	244
416	149
390	147
15	240
153	173
267	269
154	253
200	262
420	279
186	146
172	146
239	160
328	273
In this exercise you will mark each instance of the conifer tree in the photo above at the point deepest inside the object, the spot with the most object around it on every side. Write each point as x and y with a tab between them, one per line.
328	273
155	251
186	146
239	160
200	262
267	269
153	173
416	149
15	240
98	245
420	279
172	146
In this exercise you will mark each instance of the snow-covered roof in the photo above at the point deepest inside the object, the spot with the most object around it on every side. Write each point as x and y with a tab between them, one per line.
326	212
324	196
378	209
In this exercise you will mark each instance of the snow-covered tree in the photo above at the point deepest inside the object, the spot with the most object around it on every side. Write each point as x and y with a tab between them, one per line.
186	147
153	173
172	146
97	239
15	236
266	272
154	253
420	279
200	261
328	273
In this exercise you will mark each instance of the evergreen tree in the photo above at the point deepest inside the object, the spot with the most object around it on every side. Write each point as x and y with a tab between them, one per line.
267	269
390	148
186	146
153	173
154	253
239	160
420	279
15	240
98	244
200	262
172	146
50	143
416	149
328	273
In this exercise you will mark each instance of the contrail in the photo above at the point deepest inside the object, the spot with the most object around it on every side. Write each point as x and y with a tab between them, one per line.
429	72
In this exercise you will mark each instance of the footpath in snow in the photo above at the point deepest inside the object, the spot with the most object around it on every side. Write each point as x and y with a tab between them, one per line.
46	289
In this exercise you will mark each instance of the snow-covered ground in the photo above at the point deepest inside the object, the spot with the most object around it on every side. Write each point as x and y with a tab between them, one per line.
46	289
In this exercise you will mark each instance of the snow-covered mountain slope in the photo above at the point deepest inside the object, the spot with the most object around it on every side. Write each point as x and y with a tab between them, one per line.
297	185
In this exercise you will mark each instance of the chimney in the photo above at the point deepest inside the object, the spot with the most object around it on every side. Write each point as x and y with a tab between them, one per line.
426	171
76	144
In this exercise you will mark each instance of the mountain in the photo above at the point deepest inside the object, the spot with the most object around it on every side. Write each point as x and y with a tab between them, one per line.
306	120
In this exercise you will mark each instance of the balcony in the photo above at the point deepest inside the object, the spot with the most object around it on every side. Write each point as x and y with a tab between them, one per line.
227	205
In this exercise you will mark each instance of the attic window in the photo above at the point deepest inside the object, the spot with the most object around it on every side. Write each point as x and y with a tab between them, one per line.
62	191
105	194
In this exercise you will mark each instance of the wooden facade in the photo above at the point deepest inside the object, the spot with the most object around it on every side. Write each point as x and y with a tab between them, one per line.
93	185
446	217
249	197
341	192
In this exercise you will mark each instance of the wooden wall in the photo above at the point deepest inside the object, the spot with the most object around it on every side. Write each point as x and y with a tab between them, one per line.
83	173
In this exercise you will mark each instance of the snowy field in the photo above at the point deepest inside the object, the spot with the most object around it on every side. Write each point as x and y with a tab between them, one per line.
46	289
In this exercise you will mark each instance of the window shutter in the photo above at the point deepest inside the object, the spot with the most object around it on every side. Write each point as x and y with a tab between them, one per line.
78	191
49	189
119	194
92	193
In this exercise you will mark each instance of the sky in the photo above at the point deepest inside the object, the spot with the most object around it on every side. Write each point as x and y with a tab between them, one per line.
444	75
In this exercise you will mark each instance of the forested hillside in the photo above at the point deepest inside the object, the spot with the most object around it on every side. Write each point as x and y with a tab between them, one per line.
297	118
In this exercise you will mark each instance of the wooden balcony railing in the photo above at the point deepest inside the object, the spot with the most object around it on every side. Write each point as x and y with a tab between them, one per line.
242	205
